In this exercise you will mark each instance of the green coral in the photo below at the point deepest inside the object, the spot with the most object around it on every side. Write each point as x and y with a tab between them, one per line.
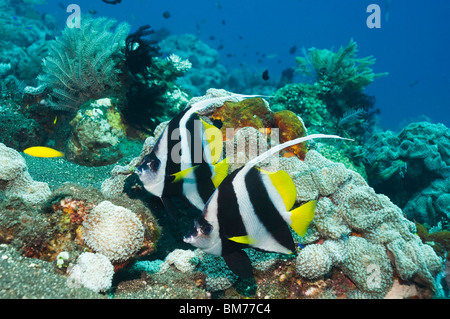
303	99
401	165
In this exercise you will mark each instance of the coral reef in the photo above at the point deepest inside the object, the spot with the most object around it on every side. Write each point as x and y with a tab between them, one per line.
408	166
102	91
357	244
369	230
431	206
24	39
305	100
30	278
67	224
18	131
206	71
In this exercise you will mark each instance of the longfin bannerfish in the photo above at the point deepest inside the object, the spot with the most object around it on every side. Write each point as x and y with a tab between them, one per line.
186	159
43	151
253	208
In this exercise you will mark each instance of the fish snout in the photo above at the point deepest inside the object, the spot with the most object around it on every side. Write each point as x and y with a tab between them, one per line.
189	237
138	171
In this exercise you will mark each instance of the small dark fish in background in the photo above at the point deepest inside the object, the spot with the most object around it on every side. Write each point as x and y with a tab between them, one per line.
112	1
166	15
293	49
413	83
92	11
265	75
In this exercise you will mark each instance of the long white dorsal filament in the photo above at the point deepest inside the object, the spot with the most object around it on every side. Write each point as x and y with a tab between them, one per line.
279	147
204	104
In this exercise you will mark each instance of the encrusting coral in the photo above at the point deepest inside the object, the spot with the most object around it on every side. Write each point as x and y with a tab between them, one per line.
370	231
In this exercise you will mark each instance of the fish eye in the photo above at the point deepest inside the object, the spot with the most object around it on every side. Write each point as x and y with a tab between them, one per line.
206	230
154	165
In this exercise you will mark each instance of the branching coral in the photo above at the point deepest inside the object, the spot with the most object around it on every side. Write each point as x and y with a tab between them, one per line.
85	63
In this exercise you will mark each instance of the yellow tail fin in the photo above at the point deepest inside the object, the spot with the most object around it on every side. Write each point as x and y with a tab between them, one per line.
300	218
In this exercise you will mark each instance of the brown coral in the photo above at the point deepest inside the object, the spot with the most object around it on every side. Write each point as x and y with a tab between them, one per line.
254	112
291	128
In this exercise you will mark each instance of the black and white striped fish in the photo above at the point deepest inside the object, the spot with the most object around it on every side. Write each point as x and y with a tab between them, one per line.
252	208
185	160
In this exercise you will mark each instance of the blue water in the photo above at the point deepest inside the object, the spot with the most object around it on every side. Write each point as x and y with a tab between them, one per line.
412	44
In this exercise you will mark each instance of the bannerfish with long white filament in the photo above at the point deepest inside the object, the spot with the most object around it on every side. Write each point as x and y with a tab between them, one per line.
252	208
186	159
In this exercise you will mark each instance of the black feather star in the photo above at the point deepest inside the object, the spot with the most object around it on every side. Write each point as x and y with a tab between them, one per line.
138	51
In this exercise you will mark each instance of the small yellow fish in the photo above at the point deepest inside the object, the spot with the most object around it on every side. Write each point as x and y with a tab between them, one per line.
42	151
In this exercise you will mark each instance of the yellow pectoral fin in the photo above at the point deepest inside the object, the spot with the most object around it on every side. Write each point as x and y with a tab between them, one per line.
243	240
215	141
220	172
187	173
284	185
302	216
